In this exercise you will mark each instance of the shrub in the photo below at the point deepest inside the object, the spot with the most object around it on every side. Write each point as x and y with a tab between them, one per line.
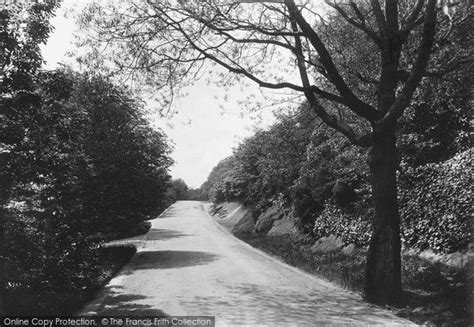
347	224
333	168
343	193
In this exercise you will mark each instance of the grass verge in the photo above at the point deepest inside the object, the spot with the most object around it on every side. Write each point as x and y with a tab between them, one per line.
434	294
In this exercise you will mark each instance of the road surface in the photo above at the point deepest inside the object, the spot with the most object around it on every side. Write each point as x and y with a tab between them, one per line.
187	264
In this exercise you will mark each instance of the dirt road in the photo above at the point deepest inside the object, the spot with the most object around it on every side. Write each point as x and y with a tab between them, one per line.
189	265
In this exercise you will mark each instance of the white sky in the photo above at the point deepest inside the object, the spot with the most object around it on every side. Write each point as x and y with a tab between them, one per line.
201	133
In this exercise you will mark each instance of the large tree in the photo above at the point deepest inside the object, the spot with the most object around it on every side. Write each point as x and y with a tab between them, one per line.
23	28
280	44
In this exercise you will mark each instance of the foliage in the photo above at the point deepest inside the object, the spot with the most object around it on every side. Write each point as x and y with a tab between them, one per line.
23	28
195	194
436	205
263	167
435	208
332	169
297	162
437	121
78	160
129	160
330	193
86	165
441	294
349	225
212	188
177	190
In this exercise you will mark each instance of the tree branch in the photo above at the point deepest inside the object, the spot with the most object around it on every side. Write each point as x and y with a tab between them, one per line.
360	25
317	107
418	70
248	40
409	23
379	17
391	17
356	105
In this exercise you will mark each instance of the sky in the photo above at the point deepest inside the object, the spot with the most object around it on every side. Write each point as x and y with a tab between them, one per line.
201	132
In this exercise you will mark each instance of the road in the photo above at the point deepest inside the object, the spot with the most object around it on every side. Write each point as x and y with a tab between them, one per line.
187	264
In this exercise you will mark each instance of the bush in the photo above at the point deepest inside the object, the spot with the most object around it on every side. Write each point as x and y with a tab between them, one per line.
343	193
333	168
348	224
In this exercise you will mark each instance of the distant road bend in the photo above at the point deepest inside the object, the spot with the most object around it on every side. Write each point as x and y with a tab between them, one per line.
189	265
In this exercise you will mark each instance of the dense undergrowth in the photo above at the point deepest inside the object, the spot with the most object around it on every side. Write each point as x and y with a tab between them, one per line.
434	294
104	262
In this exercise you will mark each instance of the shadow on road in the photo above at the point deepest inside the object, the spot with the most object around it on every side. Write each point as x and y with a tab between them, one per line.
169	259
119	304
164	234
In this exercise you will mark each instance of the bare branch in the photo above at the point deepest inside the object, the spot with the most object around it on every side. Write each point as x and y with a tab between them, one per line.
360	25
249	40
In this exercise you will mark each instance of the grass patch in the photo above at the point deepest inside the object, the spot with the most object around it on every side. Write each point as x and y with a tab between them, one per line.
435	294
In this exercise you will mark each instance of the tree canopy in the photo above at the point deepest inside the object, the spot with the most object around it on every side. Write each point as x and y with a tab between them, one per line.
158	39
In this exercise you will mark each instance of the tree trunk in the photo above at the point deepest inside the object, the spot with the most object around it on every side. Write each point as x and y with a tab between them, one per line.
383	271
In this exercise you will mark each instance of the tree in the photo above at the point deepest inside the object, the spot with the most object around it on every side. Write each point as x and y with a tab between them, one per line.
76	154
86	165
129	160
270	42
177	190
22	29
265	165
436	124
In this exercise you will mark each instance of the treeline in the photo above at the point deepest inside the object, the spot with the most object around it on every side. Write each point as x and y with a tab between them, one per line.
79	165
178	190
301	164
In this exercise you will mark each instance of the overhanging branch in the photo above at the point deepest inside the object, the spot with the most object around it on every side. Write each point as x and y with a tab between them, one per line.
355	104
